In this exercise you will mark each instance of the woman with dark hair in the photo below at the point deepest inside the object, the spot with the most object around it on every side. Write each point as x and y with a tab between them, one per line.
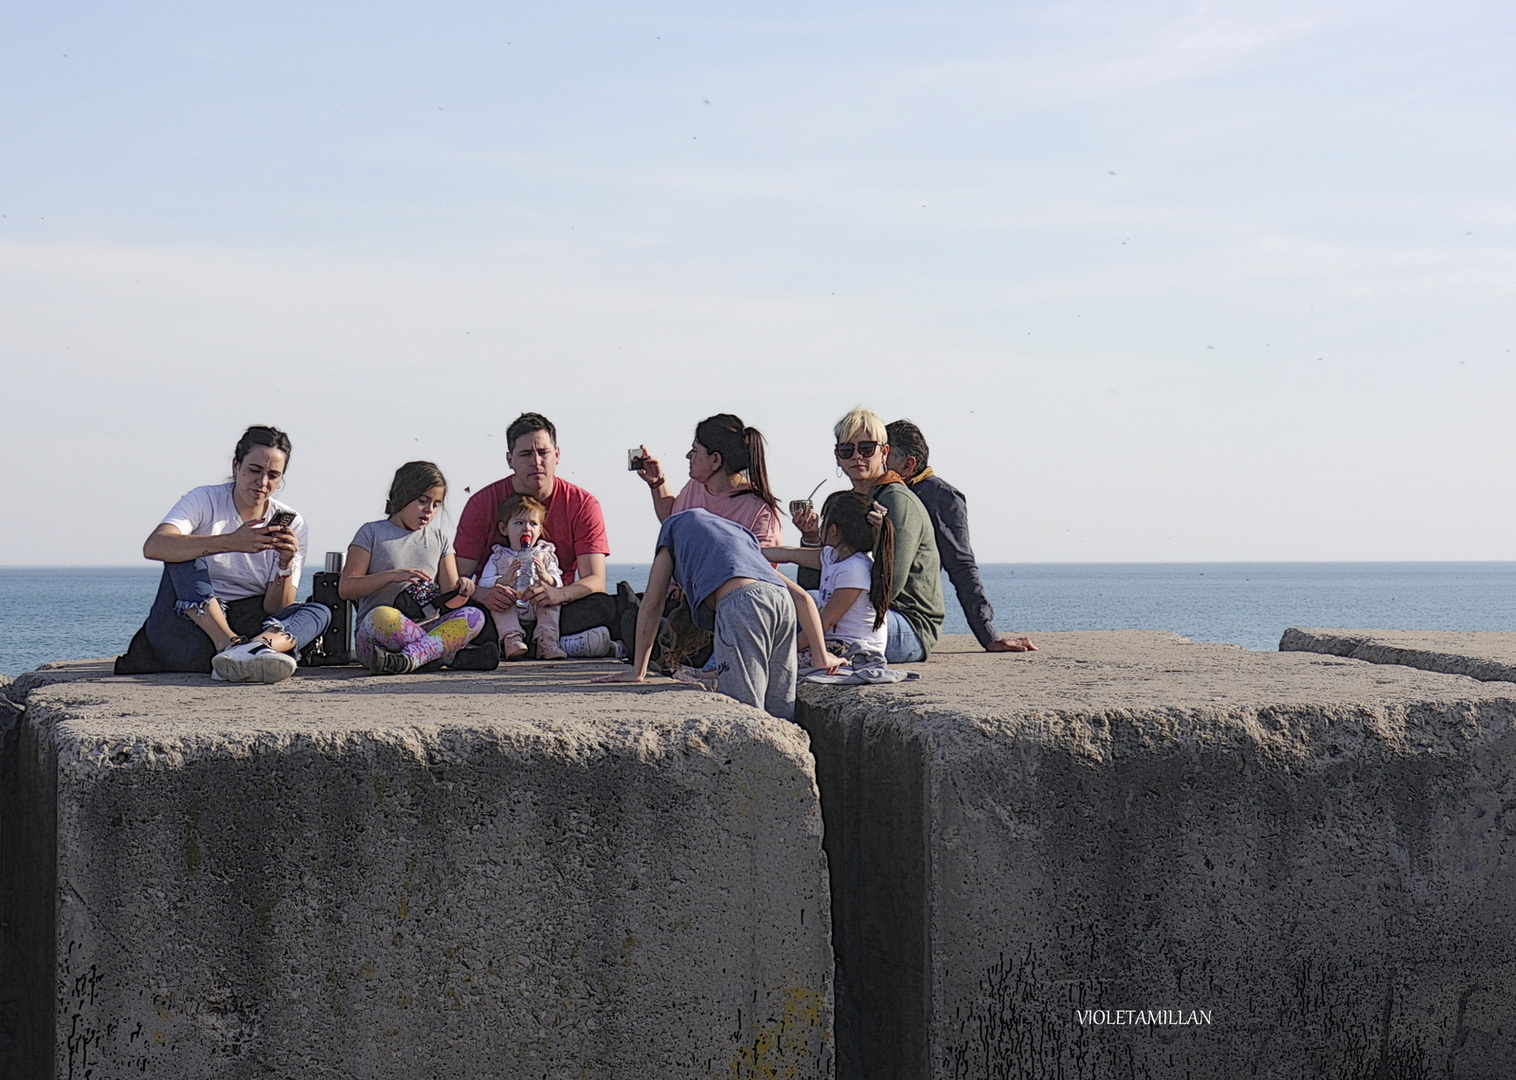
396	553
231	557
728	477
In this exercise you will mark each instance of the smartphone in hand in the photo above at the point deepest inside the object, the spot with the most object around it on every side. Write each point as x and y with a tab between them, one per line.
281	520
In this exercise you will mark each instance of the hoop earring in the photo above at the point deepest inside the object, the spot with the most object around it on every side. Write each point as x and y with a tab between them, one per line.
840	472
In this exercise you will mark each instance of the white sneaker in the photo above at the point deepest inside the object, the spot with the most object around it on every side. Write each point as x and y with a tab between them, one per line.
596	641
253	661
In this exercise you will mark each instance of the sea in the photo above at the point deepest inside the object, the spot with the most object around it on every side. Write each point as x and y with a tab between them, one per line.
59	613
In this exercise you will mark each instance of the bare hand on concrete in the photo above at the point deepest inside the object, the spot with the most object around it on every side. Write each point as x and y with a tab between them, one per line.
620	676
1018	644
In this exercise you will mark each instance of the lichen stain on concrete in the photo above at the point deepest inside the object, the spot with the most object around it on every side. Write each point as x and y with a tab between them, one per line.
192	841
750	798
264	910
335	980
782	1047
405	890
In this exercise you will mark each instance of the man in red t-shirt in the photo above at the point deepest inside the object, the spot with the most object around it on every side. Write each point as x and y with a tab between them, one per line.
574	524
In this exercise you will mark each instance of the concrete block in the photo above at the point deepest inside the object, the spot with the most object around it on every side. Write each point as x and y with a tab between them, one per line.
1485	655
25	986
502	875
1129	855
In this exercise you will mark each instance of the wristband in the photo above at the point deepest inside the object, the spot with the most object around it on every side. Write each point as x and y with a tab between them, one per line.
658	483
284	572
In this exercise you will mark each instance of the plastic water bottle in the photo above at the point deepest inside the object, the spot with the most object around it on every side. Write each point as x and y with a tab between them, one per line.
526	577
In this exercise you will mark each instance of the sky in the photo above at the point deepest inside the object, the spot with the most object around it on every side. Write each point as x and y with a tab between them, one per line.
1163	282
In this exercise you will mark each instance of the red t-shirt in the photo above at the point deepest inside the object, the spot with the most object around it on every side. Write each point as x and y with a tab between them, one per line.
575	524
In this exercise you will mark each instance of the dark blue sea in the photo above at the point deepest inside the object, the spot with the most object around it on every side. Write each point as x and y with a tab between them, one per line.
69	612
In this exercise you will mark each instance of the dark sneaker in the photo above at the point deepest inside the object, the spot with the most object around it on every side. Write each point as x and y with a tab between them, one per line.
384	662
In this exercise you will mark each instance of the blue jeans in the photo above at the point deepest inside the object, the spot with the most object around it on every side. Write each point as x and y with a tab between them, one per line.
903	646
180	645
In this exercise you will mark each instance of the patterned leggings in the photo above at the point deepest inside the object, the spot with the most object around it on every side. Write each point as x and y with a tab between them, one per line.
386	628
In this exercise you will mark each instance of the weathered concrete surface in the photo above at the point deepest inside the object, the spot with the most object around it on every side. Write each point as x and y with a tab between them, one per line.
1318	851
23	1033
1484	655
344	876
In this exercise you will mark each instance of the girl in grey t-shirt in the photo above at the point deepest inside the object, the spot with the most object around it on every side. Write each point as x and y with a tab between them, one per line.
386	556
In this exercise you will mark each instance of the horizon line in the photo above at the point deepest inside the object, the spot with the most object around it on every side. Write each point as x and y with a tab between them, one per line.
147	564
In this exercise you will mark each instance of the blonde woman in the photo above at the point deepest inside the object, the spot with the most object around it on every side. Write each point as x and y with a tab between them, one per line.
916	608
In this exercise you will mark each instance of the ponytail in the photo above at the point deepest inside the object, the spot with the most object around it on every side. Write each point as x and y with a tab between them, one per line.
882	584
741	450
757	471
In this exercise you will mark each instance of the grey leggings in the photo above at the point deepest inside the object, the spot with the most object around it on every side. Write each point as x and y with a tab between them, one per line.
753	651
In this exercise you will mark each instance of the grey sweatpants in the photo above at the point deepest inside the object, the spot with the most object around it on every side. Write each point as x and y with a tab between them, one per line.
753	652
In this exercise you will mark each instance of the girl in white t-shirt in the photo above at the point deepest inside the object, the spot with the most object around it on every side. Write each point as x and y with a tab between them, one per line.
856	562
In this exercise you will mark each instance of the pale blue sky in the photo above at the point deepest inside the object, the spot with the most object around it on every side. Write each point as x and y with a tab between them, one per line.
1171	281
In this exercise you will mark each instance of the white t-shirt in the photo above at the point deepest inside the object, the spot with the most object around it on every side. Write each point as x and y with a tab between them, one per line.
210	511
856	627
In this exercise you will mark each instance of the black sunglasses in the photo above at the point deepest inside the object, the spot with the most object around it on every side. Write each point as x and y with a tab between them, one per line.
865	449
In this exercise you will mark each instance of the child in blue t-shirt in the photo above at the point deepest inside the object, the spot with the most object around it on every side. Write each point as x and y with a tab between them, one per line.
731	590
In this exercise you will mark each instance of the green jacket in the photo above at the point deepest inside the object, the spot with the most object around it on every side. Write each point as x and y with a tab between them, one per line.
918	571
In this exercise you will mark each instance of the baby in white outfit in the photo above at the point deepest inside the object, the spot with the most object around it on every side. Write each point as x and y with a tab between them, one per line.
523	560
